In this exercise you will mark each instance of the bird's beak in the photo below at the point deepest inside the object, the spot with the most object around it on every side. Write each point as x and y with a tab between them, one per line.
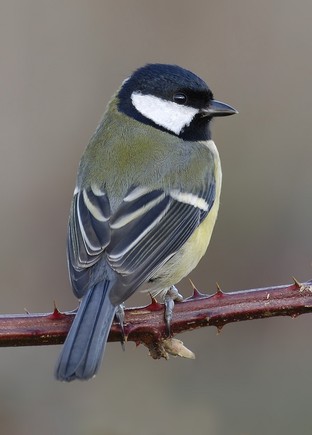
216	108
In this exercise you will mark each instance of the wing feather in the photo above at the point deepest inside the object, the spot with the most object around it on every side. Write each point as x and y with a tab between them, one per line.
150	239
145	231
88	236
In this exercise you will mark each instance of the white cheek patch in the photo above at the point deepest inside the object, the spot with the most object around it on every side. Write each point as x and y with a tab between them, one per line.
167	114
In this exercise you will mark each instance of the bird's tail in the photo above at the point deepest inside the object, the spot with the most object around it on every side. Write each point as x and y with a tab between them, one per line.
84	346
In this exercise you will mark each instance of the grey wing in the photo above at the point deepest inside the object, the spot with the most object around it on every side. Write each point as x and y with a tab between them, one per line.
149	228
88	235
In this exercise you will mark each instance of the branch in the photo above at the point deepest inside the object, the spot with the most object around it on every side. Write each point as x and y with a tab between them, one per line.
146	324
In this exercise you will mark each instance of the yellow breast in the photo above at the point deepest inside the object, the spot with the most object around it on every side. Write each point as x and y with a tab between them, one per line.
184	261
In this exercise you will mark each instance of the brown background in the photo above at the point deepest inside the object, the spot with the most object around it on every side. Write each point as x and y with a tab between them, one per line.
60	63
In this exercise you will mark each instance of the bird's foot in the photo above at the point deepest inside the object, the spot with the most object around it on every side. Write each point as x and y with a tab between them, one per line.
120	315
172	295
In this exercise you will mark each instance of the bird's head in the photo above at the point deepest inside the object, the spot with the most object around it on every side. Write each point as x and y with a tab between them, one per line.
171	99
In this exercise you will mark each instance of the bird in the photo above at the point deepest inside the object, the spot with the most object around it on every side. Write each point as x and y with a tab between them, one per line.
144	206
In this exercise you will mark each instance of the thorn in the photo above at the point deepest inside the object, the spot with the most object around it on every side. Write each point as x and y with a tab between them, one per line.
56	314
153	299
302	286
219	293
55	310
192	284
219	329
196	293
296	282
219	288
154	305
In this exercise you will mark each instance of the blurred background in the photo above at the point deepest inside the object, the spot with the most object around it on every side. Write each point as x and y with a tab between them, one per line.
60	63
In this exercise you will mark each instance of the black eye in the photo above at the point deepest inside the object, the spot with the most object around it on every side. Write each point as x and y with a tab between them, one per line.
180	98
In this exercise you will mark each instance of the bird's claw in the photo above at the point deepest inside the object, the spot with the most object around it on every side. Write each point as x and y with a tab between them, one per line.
120	315
171	296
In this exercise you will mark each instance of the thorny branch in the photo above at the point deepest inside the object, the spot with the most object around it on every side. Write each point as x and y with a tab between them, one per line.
146	324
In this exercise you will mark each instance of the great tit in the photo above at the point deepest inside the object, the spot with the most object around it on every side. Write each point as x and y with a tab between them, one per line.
144	206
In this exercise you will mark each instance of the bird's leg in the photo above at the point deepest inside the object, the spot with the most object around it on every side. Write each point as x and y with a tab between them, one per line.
120	315
171	296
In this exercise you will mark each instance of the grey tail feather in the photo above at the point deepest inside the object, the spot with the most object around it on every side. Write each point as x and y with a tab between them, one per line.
84	346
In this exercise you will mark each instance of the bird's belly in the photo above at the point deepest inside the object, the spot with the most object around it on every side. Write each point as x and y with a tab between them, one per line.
186	259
